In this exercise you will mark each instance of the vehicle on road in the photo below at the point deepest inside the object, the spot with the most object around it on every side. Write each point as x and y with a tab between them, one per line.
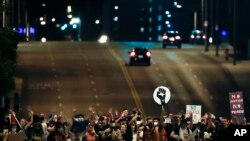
171	38
197	37
139	55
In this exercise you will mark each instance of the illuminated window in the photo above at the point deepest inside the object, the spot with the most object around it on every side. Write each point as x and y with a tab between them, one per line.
150	38
150	9
142	29
159	37
159	18
150	29
74	26
150	19
159	27
115	19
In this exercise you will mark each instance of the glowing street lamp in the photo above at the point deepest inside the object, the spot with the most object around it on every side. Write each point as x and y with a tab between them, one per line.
77	21
69	9
97	21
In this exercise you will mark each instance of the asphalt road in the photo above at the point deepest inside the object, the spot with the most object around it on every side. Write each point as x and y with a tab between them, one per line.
62	76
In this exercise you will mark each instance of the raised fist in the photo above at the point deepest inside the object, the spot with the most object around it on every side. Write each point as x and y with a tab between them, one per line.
161	94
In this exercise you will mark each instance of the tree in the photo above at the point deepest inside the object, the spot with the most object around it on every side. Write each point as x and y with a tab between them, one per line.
8	42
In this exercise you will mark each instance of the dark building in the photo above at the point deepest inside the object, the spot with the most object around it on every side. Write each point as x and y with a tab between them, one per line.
14	13
147	20
241	28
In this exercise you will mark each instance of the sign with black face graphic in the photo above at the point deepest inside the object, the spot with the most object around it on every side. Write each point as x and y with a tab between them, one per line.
161	95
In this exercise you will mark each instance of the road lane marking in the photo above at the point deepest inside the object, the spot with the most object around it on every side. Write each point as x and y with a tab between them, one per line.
129	82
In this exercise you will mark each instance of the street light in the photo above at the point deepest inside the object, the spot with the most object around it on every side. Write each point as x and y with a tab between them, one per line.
77	21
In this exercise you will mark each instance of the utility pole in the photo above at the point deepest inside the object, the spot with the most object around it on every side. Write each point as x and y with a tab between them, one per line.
202	15
195	20
234	32
206	25
4	16
217	27
211	21
18	13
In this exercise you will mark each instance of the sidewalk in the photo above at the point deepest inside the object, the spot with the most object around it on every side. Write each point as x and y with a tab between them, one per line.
240	70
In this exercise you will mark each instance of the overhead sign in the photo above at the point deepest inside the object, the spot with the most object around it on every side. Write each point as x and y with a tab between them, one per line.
237	106
195	110
161	95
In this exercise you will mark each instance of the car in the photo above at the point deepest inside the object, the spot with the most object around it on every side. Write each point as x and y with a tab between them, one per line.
171	38
197	37
139	55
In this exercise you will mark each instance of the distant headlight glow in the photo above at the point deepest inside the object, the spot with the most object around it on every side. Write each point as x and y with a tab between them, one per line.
103	39
43	39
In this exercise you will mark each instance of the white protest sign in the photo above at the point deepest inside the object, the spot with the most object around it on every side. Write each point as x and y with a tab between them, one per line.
195	110
161	95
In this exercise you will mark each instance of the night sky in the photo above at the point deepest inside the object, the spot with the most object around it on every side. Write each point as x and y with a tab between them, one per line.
89	10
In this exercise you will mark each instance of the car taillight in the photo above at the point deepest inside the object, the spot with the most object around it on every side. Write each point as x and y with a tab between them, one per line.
148	54
132	53
192	36
165	37
177	37
203	37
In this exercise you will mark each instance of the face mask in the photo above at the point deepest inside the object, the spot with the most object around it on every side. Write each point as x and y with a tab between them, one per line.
81	119
155	123
138	122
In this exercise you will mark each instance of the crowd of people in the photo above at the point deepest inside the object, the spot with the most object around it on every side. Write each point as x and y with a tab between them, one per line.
128	125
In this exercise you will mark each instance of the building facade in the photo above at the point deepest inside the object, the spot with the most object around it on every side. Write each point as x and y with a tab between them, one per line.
147	20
